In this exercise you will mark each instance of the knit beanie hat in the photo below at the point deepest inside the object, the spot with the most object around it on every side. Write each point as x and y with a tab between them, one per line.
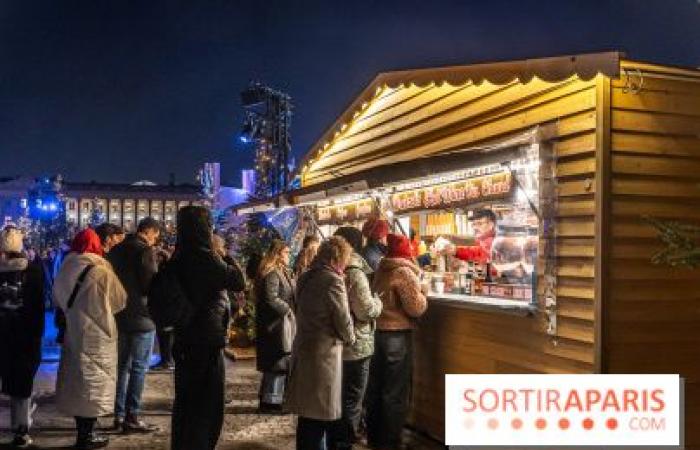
399	247
11	240
375	228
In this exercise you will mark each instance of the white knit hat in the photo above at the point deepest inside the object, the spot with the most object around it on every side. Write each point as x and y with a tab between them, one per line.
11	240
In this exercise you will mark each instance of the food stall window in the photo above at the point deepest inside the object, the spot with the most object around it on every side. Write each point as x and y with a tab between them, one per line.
477	237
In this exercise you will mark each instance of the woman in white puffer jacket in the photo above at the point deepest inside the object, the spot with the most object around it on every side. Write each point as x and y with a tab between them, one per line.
87	373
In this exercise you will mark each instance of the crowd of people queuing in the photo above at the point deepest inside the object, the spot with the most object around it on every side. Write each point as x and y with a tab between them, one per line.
333	330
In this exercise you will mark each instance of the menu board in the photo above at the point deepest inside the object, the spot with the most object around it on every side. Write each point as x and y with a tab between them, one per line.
461	193
347	212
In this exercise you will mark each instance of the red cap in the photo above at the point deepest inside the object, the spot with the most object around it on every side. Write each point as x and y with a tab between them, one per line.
375	228
87	241
399	247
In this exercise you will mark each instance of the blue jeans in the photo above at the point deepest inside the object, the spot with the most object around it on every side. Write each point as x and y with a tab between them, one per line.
134	359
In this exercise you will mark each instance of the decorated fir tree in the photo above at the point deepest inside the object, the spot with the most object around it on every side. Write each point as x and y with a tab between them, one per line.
681	243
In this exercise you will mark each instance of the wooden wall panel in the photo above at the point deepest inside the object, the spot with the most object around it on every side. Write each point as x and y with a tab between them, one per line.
652	323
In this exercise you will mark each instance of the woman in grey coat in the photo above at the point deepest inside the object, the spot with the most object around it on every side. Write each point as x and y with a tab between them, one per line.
325	325
365	308
275	324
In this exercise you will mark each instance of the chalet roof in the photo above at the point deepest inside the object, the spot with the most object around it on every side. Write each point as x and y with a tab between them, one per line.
552	69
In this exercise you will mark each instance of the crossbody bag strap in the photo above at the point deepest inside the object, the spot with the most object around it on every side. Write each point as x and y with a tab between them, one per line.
76	288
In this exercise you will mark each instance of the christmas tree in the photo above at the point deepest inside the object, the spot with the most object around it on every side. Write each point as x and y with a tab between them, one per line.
681	243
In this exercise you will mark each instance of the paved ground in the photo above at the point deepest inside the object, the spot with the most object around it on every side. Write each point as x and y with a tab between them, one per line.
243	428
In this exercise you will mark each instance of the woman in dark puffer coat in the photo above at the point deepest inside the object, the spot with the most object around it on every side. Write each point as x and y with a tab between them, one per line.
21	328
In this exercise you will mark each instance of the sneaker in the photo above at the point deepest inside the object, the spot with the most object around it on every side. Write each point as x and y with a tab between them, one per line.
134	425
21	440
118	424
163	367
92	441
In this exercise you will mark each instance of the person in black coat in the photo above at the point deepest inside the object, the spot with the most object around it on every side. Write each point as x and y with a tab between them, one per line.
21	330
275	324
199	366
134	262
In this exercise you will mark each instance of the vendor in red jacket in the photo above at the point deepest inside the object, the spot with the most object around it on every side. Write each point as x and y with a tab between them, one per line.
484	225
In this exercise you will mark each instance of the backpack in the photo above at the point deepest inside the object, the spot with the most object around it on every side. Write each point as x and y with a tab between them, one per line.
11	291
168	304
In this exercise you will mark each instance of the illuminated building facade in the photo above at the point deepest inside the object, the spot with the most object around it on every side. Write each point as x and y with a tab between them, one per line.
127	204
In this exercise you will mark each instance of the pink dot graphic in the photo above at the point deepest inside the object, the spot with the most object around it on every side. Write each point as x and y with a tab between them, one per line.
541	424
493	423
469	424
516	424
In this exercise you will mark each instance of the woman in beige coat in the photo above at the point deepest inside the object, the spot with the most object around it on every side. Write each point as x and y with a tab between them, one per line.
89	293
324	325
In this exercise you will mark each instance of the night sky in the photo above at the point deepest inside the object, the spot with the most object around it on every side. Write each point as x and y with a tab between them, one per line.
128	90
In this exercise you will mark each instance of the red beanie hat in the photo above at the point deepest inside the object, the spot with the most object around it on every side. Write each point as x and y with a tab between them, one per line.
375	228
399	247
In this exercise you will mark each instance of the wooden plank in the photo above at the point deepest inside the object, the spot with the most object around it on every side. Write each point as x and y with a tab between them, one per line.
575	250
576	208
580	330
657	101
633	251
568	188
576	145
575	308
633	228
576	267
649	122
572	349
682	310
583	166
575	124
602	219
575	227
637	270
664	86
655	144
430	101
657	166
656	188
651	290
657	333
660	208
394	101
651	70
586	291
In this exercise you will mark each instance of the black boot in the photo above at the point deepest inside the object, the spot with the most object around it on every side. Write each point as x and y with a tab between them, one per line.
21	439
87	438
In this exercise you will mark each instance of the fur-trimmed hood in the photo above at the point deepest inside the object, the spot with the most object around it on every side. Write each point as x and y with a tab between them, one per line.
358	262
389	264
13	264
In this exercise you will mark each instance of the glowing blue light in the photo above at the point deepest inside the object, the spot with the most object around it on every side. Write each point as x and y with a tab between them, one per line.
244	139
